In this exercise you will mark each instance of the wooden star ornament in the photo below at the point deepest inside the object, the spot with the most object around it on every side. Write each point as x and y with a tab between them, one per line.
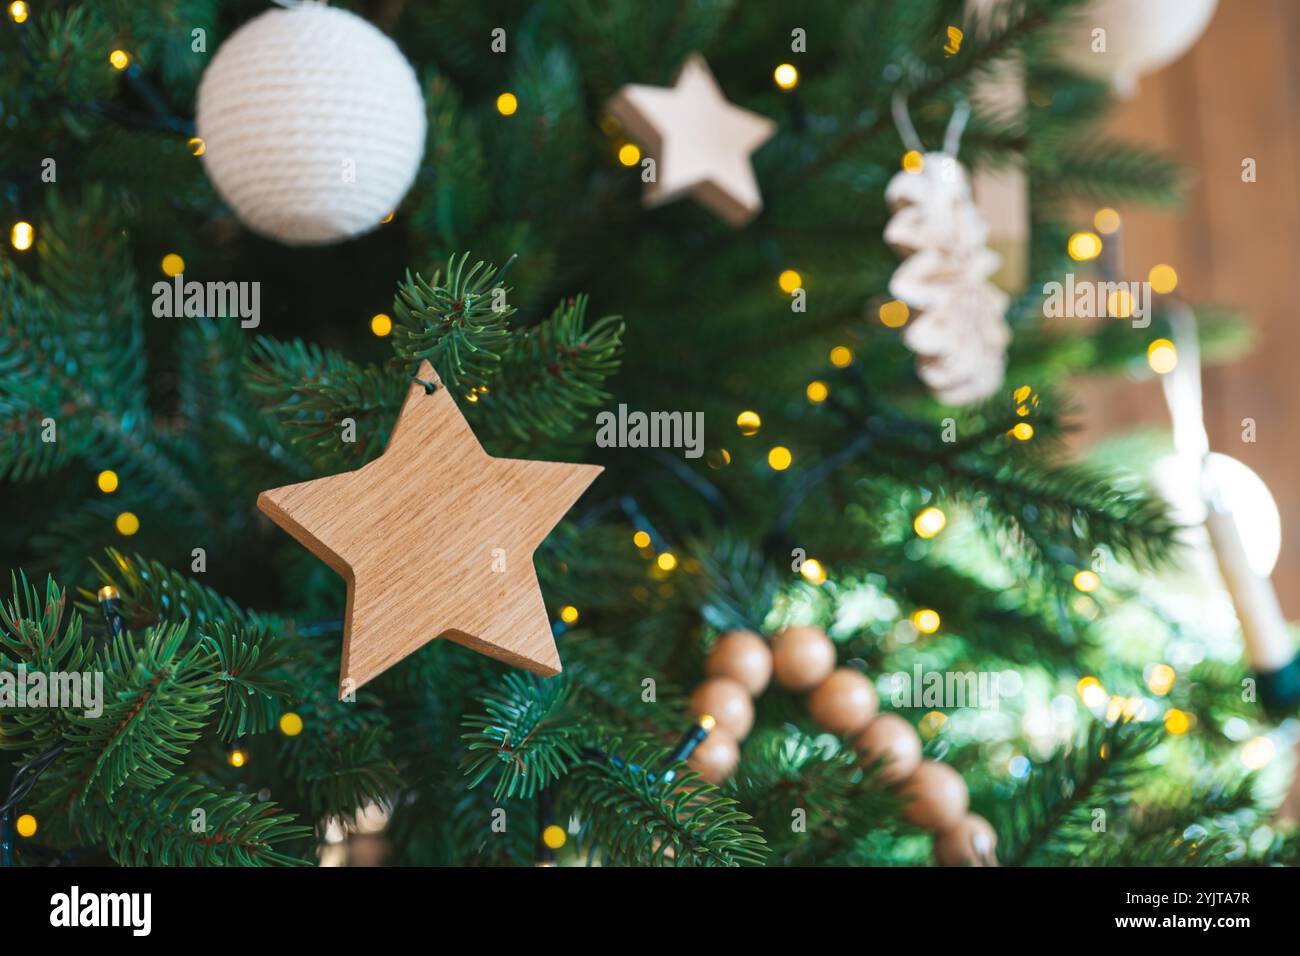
701	143
435	538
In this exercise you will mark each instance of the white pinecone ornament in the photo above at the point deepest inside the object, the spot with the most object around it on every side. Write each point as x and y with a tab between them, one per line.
958	329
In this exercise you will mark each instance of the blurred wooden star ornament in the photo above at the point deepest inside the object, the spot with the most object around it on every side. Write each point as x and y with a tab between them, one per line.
701	143
435	538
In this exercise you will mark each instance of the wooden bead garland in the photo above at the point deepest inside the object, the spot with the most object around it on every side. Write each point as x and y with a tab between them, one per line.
728	703
844	702
744	657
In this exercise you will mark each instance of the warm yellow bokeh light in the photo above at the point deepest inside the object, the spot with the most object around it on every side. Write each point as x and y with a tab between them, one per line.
120	59
107	481
641	539
1084	246
786	76
290	724
1161	679
1023	431
1163	278
1091	692
913	161
507	103
926	620
172	264
931	724
954	41
22	235
813	571
779	458
666	561
26	825
1178	722
789	280
841	356
629	154
929	522
1119	304
381	324
707	721
196	146
236	758
18	11
1106	221
1257	753
569	614
817	392
554	836
894	314
749	423
1162	356
127	524
1087	581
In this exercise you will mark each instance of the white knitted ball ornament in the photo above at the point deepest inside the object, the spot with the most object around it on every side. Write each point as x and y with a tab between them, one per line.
312	123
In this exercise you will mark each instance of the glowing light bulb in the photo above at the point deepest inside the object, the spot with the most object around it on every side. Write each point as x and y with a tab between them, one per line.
913	161
22	235
1087	581
1084	246
1162	356
786	76
894	314
817	392
569	614
172	265
127	524
666	561
841	356
929	522
813	571
789	280
381	324
629	154
749	423
507	103
926	620
290	724
107	481
120	60
641	539
779	458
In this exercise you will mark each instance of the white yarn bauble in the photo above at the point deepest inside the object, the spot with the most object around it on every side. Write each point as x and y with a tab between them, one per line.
312	123
1141	36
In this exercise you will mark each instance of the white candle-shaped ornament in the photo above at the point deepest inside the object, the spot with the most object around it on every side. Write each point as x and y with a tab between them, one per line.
1268	644
1263	628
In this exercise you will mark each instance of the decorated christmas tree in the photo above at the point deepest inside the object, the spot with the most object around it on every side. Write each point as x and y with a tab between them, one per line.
617	433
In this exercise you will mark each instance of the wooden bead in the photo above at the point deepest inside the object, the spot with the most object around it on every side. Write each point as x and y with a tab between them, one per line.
802	657
892	738
744	657
716	757
937	794
972	842
844	703
727	702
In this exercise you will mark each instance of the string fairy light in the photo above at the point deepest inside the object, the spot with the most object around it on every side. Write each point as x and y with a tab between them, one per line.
786	76
22	235
929	522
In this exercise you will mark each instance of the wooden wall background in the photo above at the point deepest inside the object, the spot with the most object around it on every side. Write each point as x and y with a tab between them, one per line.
1235	94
